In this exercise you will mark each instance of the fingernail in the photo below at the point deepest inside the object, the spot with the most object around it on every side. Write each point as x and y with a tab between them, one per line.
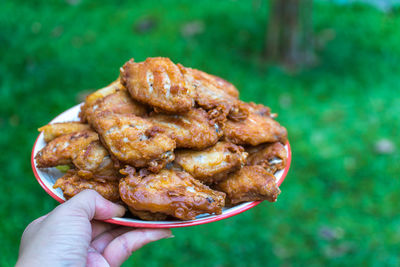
121	211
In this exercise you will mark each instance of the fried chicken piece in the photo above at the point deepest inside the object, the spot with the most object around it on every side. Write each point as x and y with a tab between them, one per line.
82	149
129	138
210	80
54	130
259	127
99	94
171	192
271	156
63	149
191	130
250	183
214	94
115	102
212	164
159	83
134	140
95	162
105	91
118	102
71	184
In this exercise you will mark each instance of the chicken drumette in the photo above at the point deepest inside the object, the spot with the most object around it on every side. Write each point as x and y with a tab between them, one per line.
65	148
135	141
190	130
257	128
54	130
212	164
271	156
249	184
170	192
214	94
83	151
71	184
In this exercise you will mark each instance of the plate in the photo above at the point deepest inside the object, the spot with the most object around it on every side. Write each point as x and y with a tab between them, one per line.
48	176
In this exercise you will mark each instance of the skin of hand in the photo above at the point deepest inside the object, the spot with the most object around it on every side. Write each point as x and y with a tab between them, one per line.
71	235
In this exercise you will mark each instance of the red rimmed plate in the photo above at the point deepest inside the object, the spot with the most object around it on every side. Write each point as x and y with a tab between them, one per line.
48	176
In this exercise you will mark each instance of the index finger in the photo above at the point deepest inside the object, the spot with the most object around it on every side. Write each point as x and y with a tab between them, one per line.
122	247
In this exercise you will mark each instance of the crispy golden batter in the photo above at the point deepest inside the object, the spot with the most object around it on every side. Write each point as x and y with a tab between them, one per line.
105	91
84	151
158	82
207	95
210	80
71	184
191	130
135	141
51	131
249	184
118	102
112	102
214	94
171	192
63	149
95	162
147	215
99	94
91	157
212	164
259	127
271	156
121	137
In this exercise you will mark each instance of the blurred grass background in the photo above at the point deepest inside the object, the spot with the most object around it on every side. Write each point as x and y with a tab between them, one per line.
339	203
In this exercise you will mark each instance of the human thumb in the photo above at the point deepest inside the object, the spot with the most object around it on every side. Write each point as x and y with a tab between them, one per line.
92	205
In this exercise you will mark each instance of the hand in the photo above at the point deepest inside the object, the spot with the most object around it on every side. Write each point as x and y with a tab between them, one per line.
68	236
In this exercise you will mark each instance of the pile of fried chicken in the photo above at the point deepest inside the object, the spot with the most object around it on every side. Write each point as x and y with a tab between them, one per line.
169	142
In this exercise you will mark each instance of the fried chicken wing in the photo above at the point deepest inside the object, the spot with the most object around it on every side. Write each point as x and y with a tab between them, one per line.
210	80
249	184
257	128
214	94
135	141
118	102
81	149
95	162
129	138
158	82
99	94
71	184
51	131
271	156
63	149
191	130
171	192
212	164
105	91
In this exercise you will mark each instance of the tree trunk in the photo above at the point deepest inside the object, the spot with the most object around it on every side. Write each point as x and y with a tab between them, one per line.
289	40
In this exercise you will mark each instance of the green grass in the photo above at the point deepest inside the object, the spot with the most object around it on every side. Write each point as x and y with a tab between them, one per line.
339	203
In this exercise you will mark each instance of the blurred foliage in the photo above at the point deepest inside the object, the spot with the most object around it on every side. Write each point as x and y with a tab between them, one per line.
339	202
